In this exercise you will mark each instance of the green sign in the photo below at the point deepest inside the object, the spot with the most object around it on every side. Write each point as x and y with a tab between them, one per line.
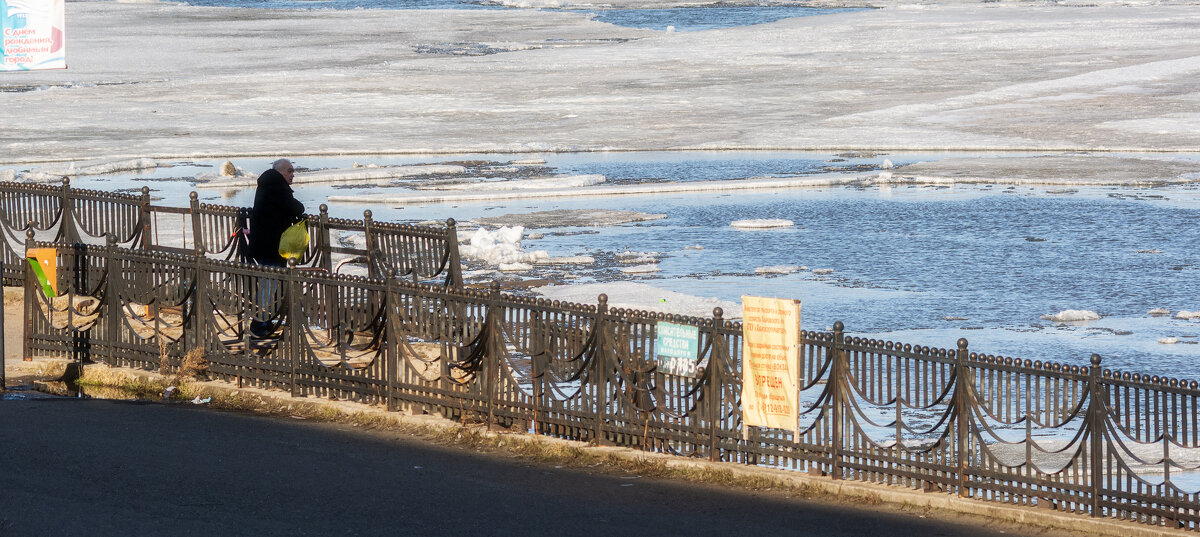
677	349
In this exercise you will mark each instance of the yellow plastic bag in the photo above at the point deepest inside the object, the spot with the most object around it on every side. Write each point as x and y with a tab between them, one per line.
294	241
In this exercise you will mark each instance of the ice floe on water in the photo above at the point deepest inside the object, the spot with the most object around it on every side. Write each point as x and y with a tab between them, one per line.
360	175
569	218
54	172
1070	316
1168	340
629	257
558	191
514	267
822	271
538	183
1189	315
641	269
640	296
780	269
1159	311
761	223
500	247
567	260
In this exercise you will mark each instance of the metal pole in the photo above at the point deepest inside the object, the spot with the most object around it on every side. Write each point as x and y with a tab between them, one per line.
454	278
600	367
716	363
836	374
292	330
1096	425
197	228
962	411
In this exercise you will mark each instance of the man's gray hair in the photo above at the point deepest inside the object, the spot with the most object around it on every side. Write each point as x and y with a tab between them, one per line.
278	165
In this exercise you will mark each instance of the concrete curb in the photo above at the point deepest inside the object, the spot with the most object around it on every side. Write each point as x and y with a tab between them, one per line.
847	490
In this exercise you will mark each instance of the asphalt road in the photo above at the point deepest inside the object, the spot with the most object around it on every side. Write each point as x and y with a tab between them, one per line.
98	468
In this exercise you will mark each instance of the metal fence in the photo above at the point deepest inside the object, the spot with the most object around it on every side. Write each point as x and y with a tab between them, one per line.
943	420
68	215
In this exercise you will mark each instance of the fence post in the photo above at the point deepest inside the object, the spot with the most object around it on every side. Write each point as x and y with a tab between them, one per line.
493	347
30	285
369	237
112	291
1096	424
197	229
323	242
836	377
600	363
962	409
716	364
66	232
293	329
144	209
454	278
200	308
391	340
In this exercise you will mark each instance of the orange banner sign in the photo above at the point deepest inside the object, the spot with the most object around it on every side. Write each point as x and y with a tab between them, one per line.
770	363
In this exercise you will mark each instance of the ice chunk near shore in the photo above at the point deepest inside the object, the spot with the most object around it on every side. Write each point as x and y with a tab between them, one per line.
822	271
8	174
92	167
630	257
761	223
570	260
514	267
641	269
568	218
780	269
1168	340
1069	316
357	175
1188	315
571	181
1159	312
502	246
641	296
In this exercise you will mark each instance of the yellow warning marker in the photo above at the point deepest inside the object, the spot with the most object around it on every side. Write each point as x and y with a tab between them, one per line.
45	266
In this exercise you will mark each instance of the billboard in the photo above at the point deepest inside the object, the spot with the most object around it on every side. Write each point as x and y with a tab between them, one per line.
32	35
770	363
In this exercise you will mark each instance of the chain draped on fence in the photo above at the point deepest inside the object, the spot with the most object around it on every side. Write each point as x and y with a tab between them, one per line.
68	215
944	420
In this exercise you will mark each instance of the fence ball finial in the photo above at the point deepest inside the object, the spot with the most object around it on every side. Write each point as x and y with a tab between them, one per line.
718	312
111	239
323	208
962	342
367	214
291	262
29	232
838	326
450	222
1095	360
603	298
191	195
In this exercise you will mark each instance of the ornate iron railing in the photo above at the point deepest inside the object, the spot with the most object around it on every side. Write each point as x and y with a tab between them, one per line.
1080	439
68	215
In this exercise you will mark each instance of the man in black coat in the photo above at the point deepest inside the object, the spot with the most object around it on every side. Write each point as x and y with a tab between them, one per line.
275	209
